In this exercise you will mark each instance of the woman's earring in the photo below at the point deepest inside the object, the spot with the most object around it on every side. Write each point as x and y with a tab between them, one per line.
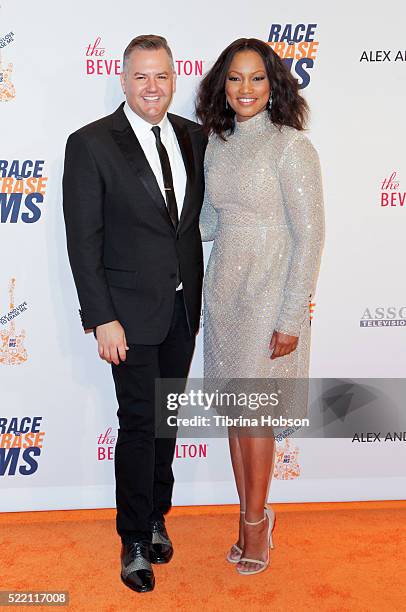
226	104
270	102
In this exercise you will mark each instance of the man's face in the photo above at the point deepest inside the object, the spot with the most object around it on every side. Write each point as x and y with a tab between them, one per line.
149	83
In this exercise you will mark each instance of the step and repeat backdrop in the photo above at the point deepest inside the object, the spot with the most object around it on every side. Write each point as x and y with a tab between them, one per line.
59	67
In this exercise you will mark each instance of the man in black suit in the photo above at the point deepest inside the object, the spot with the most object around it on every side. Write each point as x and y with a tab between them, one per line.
132	192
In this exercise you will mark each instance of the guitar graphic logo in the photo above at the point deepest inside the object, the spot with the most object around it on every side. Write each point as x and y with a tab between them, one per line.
7	89
286	461
12	349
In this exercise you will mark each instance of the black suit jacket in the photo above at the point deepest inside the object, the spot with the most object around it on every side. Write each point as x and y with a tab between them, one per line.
122	246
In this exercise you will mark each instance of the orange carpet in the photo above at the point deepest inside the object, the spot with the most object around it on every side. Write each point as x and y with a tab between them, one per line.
332	557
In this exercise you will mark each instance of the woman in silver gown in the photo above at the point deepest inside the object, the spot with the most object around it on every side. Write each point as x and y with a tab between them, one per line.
263	209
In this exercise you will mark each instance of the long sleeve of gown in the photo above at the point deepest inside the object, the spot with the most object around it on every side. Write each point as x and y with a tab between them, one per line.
300	180
208	215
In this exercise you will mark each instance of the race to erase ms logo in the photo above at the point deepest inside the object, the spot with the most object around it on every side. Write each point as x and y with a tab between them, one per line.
21	443
391	194
312	306
286	460
297	45
22	190
12	349
7	89
99	62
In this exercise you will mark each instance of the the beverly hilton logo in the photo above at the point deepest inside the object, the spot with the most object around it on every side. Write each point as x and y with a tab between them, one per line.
286	460
106	442
7	89
391	194
297	45
12	349
98	62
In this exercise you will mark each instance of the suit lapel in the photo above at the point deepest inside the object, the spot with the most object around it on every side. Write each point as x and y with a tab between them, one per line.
185	145
132	151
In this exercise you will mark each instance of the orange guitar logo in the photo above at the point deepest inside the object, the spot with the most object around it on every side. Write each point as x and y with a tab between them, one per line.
12	350
286	461
7	89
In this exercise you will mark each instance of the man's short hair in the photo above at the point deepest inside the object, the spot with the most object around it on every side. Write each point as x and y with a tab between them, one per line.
149	42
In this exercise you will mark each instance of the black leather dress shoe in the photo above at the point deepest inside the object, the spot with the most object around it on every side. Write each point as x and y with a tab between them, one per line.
136	569
161	549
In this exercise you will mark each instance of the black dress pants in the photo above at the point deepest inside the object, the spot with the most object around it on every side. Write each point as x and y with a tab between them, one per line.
143	462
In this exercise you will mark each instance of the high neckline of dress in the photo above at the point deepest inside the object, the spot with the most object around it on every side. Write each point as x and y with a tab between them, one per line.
257	124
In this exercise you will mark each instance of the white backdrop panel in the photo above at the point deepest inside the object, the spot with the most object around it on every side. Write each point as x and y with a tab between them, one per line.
357	126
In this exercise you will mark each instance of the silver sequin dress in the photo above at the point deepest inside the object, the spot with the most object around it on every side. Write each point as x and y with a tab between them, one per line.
263	208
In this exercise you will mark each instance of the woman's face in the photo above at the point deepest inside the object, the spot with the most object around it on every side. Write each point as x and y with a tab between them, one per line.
247	85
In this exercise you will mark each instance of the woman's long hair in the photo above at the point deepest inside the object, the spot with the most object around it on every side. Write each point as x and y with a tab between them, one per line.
288	106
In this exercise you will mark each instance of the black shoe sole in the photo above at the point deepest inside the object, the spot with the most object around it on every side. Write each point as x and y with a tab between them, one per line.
160	560
137	589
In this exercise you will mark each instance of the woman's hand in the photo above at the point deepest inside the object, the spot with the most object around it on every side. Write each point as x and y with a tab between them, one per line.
282	344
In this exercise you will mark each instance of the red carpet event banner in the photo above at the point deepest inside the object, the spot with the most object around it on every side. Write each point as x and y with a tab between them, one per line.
59	70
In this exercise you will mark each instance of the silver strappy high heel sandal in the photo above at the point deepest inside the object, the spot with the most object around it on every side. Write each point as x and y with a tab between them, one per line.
270	515
235	548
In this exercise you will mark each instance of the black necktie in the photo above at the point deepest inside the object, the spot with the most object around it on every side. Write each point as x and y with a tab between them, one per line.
167	176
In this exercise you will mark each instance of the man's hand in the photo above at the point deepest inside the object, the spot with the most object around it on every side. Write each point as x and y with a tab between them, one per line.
111	342
282	344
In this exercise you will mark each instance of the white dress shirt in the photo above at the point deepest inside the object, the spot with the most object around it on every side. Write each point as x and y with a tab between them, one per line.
146	138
